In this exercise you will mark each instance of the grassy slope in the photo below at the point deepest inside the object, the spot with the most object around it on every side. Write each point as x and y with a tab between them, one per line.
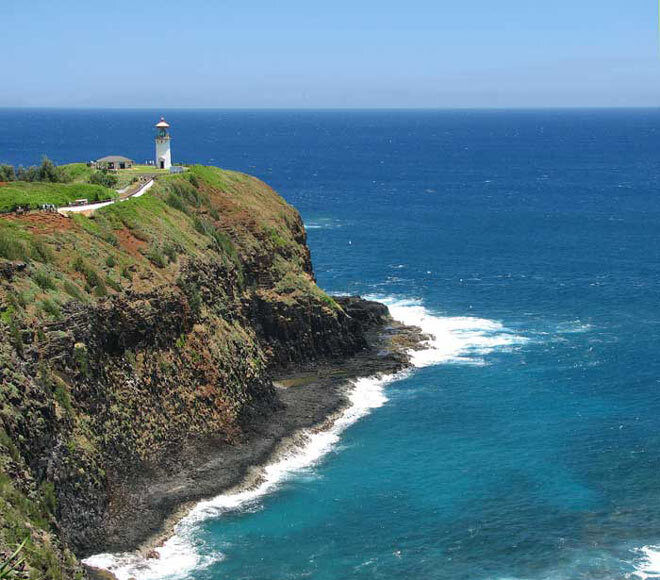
122	245
78	172
21	193
139	245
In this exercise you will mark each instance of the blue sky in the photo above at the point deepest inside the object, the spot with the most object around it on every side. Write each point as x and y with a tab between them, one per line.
316	54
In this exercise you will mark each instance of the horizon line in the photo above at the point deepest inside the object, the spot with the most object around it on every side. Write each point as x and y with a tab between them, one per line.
328	109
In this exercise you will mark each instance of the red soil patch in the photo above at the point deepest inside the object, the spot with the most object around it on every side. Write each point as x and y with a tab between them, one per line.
3	183
42	222
129	242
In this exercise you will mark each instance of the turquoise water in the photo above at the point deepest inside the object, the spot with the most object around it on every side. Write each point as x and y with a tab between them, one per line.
526	443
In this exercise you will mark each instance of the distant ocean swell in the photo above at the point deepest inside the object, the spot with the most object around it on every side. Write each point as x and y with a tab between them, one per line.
452	340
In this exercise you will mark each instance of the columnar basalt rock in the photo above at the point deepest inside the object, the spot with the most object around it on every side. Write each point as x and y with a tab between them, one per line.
148	351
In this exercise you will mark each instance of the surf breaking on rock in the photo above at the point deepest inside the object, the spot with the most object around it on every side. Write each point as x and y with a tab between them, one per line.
449	340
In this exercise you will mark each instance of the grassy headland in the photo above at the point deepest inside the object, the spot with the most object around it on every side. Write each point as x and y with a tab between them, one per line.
125	334
34	194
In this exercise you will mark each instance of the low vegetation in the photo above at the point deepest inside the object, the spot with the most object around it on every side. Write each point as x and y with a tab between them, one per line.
46	172
223	222
35	194
205	209
10	567
105	178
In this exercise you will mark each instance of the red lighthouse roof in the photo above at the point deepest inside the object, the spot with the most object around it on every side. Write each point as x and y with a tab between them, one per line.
162	124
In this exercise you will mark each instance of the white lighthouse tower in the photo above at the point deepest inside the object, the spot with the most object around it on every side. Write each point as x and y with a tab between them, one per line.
163	152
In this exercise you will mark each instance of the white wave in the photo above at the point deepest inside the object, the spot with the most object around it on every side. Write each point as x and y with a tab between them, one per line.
648	567
179	555
573	327
322	224
452	340
176	557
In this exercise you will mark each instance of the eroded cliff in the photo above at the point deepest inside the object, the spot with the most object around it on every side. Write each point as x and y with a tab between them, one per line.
131	336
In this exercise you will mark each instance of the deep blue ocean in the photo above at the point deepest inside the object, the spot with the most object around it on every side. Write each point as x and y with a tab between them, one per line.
526	445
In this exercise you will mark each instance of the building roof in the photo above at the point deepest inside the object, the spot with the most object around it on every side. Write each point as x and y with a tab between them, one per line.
114	159
162	124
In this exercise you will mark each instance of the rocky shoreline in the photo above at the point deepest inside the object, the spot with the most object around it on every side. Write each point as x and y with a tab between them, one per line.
138	355
310	397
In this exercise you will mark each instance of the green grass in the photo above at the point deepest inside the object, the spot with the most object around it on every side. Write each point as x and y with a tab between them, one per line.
136	169
14	243
23	194
43	280
204	220
78	172
21	517
211	175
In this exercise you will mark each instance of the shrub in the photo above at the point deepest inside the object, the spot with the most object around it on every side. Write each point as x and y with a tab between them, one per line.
329	301
62	397
12	247
192	294
43	280
186	191
100	290
224	243
50	307
49	498
110	261
110	238
72	290
202	226
7	173
81	357
276	238
116	286
170	250
46	172
9	568
92	278
7	442
104	178
156	257
42	252
9	318
176	202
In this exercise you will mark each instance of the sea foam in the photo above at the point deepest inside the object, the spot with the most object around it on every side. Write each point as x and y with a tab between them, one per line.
180	554
648	566
451	340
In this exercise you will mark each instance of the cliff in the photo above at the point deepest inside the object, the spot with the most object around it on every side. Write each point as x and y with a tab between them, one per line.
133	338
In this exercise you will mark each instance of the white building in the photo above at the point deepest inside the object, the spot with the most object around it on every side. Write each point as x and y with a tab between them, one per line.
163	151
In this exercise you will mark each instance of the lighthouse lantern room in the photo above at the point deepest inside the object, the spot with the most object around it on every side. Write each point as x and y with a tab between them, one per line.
163	152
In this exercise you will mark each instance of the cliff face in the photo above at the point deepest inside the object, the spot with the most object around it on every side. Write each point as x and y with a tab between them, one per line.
131	335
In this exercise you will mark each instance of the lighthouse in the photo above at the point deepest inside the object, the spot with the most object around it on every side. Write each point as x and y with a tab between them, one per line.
163	152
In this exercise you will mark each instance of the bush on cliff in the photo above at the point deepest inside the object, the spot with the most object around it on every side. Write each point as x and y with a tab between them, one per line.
100	378
104	178
7	173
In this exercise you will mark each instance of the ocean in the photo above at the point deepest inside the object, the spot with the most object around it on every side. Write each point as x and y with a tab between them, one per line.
525	443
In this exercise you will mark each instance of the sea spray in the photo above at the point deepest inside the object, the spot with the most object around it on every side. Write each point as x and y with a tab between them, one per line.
451	340
648	566
179	554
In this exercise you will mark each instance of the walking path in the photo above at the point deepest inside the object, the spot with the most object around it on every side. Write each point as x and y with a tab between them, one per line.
90	208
